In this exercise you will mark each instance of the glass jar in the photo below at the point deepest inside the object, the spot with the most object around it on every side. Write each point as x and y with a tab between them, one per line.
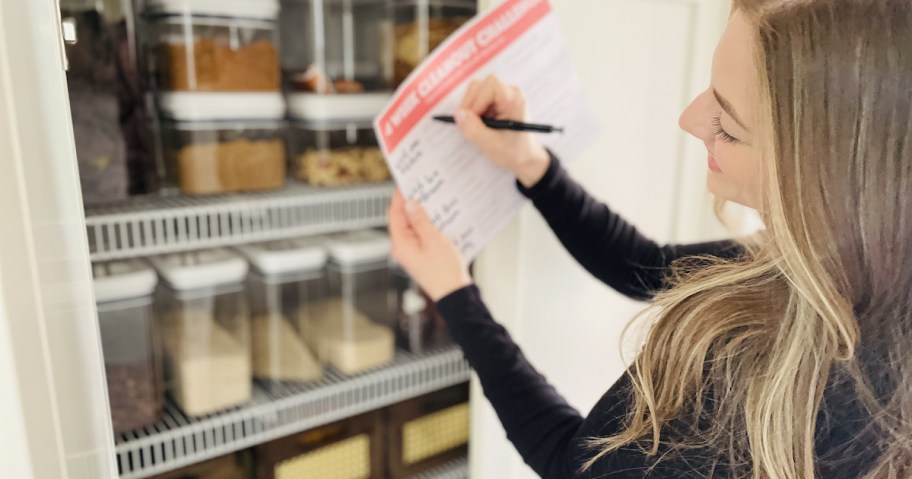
420	326
421	26
356	333
212	157
205	328
336	153
336	46
199	45
287	277
123	292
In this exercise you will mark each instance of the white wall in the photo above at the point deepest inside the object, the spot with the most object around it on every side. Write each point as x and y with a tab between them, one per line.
641	62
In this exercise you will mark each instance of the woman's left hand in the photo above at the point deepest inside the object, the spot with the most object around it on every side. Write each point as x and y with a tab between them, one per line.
425	253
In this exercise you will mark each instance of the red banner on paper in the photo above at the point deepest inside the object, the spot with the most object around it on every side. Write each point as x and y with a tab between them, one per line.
458	60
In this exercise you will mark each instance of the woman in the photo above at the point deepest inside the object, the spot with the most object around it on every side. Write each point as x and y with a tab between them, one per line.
784	357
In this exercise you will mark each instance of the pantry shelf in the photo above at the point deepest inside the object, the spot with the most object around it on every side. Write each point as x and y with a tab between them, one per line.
178	441
149	226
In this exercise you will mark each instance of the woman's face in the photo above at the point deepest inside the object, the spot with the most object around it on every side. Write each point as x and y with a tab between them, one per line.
723	116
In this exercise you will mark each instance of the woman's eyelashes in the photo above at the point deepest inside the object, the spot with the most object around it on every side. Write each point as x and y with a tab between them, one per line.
720	132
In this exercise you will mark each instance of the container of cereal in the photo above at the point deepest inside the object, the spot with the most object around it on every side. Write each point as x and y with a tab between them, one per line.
287	277
336	153
205	329
355	325
124	292
213	46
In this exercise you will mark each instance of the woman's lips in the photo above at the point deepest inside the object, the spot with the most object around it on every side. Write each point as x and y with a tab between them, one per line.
713	166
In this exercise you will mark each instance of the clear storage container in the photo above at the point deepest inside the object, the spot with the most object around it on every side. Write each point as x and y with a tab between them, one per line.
287	277
357	331
421	26
336	153
203	45
123	291
336	46
205	329
212	157
419	326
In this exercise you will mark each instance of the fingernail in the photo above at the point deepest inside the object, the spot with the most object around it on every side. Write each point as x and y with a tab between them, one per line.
460	116
410	207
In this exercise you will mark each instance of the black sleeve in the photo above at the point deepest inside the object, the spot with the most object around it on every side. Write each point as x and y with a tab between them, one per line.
538	421
604	243
549	434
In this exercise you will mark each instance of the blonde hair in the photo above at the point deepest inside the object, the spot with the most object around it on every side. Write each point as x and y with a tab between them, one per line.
745	354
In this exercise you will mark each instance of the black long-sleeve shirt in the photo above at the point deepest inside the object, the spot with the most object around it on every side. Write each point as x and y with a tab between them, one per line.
549	434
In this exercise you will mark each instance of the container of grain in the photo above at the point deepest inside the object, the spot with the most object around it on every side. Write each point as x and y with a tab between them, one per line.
205	329
421	26
287	277
355	326
213	46
124	291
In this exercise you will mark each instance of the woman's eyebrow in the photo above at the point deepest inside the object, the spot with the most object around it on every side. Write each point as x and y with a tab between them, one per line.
728	108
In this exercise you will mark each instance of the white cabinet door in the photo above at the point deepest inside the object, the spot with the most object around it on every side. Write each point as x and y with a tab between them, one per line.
53	405
641	62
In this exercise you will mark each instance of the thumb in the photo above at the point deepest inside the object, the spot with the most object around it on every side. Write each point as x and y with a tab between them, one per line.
473	128
421	223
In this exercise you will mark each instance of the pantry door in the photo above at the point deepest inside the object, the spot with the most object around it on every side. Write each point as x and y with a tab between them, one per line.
54	416
641	62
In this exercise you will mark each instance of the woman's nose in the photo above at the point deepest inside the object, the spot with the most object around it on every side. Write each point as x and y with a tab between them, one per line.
697	117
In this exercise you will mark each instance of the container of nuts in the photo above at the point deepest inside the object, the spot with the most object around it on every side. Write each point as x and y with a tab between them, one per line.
336	153
123	291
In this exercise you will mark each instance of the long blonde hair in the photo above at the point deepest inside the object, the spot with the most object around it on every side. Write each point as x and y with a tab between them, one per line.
750	359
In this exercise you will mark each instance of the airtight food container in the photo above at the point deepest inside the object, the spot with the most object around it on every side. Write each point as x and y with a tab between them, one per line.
205	327
213	46
287	278
420	26
419	325
336	153
124	293
356	333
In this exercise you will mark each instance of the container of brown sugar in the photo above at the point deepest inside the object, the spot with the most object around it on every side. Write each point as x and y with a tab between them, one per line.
213	46
123	292
336	153
205	330
213	157
287	277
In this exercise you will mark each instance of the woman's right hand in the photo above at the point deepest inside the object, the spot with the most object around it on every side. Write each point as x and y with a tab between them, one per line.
519	152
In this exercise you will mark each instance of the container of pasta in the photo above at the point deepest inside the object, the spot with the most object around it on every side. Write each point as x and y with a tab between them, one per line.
209	46
349	449
287	278
336	153
205	329
427	431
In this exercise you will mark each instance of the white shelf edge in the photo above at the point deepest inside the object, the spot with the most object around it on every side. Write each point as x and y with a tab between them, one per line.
269	419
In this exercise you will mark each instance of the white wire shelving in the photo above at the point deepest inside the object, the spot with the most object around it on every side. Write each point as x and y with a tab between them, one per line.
456	469
177	441
150	226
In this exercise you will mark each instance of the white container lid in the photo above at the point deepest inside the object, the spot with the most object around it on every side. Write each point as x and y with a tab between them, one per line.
201	269
200	106
288	256
121	280
345	106
266	9
359	247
